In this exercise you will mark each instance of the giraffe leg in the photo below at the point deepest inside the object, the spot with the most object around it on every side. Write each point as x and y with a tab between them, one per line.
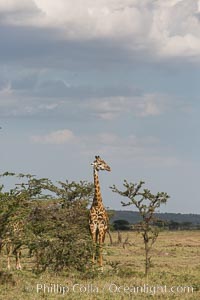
17	253
94	239
1	245
8	250
101	242
17	257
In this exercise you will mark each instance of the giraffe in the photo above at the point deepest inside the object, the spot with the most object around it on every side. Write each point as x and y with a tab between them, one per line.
11	242
98	218
14	247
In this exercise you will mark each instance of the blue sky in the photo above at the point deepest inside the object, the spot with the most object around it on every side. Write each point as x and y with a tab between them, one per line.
119	79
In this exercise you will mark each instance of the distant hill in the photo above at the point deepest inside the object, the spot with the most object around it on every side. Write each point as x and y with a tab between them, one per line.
133	217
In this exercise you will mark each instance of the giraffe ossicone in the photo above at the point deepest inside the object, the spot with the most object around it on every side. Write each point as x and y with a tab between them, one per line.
98	217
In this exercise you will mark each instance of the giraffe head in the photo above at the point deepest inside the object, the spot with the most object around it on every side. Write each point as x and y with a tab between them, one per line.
100	164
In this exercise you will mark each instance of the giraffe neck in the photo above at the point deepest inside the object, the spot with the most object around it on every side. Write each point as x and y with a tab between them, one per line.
97	194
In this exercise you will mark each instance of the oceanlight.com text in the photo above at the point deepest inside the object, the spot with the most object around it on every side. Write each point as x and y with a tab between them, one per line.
148	289
111	288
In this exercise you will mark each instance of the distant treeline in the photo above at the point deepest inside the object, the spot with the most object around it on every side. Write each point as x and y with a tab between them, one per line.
127	220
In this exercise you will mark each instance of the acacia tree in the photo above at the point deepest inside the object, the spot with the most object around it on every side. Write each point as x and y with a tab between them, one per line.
55	218
147	204
14	209
60	227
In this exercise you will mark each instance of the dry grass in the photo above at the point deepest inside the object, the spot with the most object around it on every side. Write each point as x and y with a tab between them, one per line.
175	263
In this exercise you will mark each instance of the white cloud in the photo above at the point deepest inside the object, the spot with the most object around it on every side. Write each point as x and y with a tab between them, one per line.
176	28
7	99
142	106
56	137
17	104
151	105
167	28
15	5
145	150
6	91
20	103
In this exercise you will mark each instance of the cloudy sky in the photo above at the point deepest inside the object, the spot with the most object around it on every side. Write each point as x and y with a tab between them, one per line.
116	78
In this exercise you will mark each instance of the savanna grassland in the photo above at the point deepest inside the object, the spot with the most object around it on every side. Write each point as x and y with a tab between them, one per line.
174	273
